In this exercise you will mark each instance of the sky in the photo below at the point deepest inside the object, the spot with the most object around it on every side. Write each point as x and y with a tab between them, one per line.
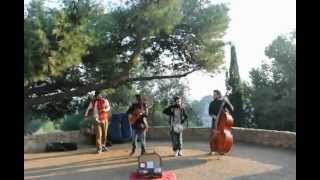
254	25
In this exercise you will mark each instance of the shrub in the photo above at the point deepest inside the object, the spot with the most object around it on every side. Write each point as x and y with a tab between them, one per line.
72	122
47	126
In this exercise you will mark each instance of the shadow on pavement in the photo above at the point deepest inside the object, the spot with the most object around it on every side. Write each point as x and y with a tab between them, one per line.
275	174
86	169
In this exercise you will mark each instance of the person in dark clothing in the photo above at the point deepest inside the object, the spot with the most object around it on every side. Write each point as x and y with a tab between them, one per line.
177	116
140	126
214	108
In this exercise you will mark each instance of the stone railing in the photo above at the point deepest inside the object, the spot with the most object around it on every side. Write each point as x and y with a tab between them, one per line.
274	138
37	143
258	136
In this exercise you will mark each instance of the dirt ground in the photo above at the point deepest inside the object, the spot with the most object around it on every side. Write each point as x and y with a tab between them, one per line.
243	162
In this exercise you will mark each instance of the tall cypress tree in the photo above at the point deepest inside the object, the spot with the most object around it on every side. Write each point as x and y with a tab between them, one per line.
233	81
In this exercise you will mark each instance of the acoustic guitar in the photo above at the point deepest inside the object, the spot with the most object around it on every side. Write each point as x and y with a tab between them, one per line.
135	115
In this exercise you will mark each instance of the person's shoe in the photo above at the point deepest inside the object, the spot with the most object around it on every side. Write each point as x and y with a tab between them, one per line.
143	152
99	150
210	153
104	149
131	154
108	144
180	153
176	153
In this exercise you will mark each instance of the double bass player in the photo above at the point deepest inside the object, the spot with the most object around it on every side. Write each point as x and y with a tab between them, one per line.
214	108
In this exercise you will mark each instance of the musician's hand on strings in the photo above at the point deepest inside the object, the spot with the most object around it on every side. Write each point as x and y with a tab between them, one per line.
142	113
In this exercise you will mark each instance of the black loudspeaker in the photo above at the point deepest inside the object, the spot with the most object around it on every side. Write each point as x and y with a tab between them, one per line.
61	146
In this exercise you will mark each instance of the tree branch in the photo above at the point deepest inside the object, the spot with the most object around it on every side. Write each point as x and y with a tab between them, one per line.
122	79
161	77
80	91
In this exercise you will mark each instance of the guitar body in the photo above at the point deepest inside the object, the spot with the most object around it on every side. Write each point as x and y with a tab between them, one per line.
222	140
135	115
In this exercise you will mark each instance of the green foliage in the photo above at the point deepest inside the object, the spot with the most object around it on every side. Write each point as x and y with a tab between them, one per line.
274	87
158	94
87	123
194	114
233	81
45	125
198	112
72	122
54	110
120	98
159	119
56	40
33	125
146	19
80	45
248	109
38	126
36	42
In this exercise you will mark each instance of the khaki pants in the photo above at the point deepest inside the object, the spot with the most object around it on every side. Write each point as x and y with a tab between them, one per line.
101	129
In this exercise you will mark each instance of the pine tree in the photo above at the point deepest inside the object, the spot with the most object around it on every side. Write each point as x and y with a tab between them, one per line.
234	82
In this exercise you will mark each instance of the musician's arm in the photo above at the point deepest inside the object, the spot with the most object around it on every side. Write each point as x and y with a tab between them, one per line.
107	104
88	109
167	111
185	116
146	111
130	110
145	122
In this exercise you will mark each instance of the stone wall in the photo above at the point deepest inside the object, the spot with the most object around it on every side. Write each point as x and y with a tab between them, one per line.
37	143
274	138
258	136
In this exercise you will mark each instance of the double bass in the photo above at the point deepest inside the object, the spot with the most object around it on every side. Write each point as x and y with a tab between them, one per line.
222	140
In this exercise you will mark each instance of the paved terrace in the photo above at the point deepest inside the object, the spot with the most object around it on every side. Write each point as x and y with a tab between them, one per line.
245	161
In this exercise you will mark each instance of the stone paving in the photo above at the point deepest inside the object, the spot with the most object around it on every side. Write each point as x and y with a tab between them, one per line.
243	162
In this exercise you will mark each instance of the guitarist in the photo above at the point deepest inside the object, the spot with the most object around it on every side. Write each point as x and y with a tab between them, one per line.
215	106
138	112
100	107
